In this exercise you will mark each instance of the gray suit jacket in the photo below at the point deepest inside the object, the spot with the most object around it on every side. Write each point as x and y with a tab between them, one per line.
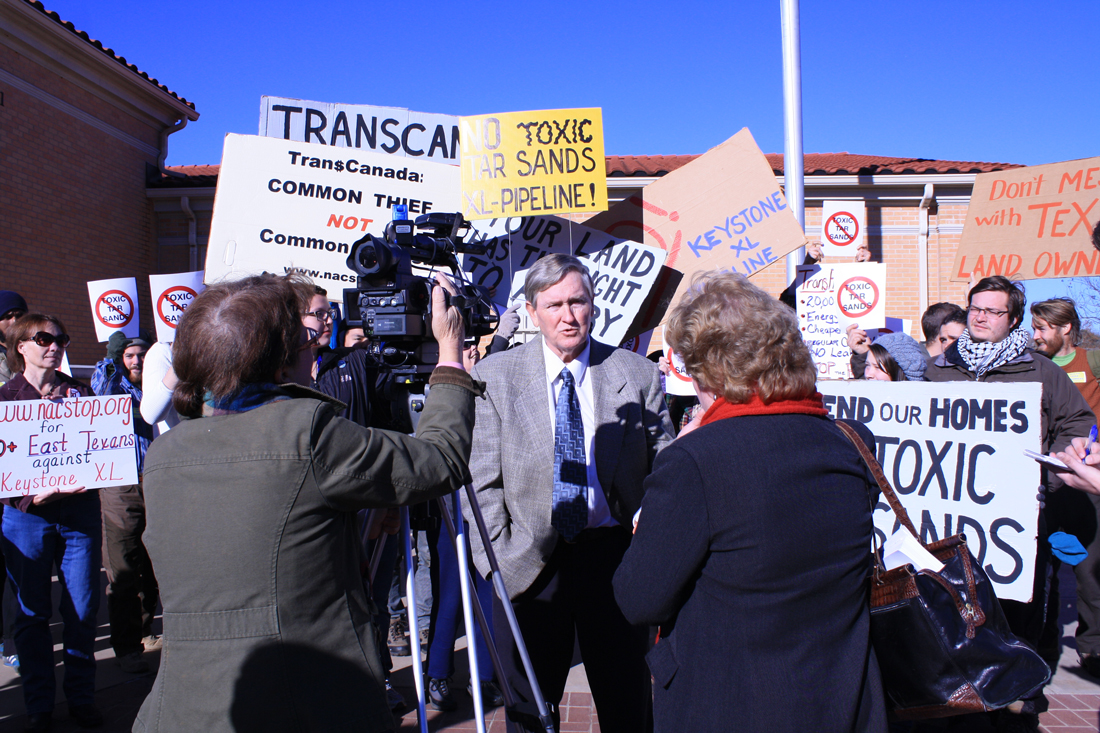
512	462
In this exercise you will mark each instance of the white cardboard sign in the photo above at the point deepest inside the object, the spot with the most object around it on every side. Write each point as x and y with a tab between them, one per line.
172	294
114	307
677	381
383	130
286	206
65	444
843	227
954	453
828	299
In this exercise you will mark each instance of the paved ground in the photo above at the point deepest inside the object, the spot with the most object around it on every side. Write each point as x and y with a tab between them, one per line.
1074	696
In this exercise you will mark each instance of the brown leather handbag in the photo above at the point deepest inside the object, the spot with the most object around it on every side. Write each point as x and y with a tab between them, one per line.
942	641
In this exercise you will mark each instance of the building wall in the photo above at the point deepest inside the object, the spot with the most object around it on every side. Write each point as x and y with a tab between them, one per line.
73	198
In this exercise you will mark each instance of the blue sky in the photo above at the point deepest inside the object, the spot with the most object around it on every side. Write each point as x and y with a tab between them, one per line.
1004	82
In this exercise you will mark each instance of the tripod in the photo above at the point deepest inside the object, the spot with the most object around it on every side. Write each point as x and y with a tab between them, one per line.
471	608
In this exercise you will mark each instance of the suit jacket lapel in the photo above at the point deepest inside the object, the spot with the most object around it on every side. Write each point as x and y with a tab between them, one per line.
533	412
608	384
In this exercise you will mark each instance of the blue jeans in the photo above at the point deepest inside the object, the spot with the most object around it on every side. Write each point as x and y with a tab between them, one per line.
447	612
66	534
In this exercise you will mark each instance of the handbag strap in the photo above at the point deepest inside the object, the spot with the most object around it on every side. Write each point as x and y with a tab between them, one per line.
880	477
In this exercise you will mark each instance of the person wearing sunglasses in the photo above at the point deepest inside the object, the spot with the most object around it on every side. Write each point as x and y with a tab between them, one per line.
51	529
995	348
12	306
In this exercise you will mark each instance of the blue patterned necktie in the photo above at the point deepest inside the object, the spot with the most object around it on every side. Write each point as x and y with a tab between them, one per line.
570	513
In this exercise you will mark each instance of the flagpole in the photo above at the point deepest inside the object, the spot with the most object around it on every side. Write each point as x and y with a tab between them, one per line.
792	125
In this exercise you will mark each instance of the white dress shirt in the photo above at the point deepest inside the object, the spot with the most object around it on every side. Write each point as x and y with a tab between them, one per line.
599	514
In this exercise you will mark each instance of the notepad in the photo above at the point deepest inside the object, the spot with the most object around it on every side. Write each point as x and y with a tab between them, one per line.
904	549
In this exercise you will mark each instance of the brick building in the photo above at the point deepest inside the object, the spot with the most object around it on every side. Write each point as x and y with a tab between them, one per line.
85	195
81	133
915	213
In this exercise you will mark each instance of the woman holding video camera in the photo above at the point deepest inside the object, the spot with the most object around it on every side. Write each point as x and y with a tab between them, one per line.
752	547
252	518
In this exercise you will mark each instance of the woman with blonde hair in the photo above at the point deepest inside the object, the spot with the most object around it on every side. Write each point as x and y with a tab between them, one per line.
752	549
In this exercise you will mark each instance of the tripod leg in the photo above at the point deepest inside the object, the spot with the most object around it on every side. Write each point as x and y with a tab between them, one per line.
414	629
483	622
464	584
505	601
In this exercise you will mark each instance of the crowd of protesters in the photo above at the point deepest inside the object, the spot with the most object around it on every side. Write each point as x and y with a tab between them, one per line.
611	508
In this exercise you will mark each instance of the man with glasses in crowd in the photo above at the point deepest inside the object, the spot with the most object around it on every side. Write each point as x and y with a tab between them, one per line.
995	348
12	306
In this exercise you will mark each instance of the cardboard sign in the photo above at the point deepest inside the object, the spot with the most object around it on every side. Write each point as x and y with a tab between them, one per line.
722	211
382	130
172	294
114	307
831	297
298	207
677	381
533	163
66	444
1030	223
622	275
954	453
843	225
623	272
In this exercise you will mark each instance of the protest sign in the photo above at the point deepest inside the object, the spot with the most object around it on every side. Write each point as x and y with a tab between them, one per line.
843	226
383	130
66	444
114	307
1030	223
829	298
298	207
677	381
622	275
533	163
623	272
172	294
722	211
954	453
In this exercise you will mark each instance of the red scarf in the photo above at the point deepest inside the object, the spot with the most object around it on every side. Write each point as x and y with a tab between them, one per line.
721	409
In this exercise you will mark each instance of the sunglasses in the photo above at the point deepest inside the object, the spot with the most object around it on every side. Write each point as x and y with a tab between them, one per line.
44	339
311	339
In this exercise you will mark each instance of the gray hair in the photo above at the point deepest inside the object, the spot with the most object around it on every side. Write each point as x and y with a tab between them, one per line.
550	270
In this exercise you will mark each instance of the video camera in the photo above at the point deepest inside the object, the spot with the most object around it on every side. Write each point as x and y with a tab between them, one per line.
393	306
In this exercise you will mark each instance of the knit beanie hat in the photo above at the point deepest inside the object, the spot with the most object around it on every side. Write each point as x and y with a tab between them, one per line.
910	355
11	300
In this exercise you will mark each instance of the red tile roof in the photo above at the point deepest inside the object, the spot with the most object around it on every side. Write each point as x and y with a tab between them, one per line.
658	165
814	164
109	52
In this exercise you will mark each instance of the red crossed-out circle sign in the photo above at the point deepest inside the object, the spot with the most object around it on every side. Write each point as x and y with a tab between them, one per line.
682	376
841	229
857	296
172	303
114	309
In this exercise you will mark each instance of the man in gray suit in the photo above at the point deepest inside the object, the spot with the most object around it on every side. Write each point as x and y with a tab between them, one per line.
565	436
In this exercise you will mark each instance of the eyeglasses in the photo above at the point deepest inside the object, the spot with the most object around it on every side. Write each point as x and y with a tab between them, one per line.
321	315
13	314
975	311
44	339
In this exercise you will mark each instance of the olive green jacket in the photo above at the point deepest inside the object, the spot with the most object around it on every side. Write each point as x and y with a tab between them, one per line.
253	536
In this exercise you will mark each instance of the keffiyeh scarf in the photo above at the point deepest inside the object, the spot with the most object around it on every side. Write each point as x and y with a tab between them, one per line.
988	355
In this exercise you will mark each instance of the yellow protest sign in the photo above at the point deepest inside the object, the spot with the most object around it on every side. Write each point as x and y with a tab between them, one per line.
533	163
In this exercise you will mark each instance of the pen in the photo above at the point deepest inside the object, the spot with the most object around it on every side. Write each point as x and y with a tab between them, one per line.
1092	439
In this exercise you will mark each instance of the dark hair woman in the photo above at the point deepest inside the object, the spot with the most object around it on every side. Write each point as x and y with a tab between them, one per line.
59	528
752	548
252	518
